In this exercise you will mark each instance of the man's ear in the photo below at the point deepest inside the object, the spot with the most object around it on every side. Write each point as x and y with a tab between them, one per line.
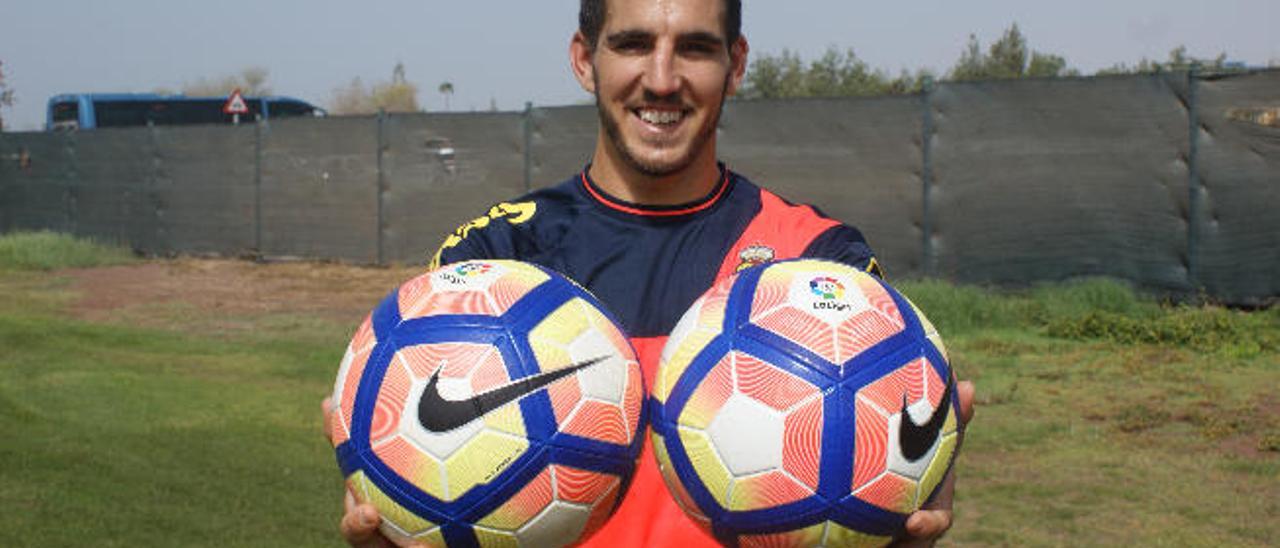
581	60
737	63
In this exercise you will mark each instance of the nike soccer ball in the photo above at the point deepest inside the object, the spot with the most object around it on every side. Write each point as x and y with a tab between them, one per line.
489	402
802	403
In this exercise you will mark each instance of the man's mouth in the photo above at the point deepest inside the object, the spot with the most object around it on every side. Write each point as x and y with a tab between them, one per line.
659	117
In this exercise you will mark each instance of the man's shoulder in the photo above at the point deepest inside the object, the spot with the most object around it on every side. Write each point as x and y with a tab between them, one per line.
502	229
809	231
779	207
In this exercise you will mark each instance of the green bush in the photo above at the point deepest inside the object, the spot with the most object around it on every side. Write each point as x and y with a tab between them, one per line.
1078	298
957	309
1096	308
1206	328
47	250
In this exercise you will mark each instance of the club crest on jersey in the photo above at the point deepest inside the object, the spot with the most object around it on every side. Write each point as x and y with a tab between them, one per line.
830	293
753	256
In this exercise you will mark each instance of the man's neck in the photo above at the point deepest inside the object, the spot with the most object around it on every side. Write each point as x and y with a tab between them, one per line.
624	182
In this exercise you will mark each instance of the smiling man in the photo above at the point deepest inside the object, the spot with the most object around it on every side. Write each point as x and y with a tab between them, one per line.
654	220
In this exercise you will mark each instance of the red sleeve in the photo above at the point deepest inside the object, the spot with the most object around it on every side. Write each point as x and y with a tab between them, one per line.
779	231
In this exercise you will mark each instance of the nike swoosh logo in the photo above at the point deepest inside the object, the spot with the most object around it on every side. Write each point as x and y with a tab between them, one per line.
915	439
438	414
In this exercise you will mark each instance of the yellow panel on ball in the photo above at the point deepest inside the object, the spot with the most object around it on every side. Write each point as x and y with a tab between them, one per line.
710	470
553	335
523	506
941	462
841	536
699	325
506	419
397	521
490	538
808	536
480	460
413	464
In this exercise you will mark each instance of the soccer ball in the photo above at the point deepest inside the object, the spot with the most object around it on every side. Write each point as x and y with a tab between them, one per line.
489	402
802	403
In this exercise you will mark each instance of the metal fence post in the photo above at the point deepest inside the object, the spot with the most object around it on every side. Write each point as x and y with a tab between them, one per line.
380	179
1194	187
926	180
528	145
257	189
152	193
72	175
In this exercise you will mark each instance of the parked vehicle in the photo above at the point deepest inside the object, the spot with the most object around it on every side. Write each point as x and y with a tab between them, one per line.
79	111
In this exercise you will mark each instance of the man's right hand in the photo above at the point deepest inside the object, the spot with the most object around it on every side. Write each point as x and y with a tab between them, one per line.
359	525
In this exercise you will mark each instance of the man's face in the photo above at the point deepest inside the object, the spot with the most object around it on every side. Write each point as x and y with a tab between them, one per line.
660	73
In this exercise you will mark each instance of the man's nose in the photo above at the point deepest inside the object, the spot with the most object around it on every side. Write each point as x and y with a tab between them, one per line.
662	76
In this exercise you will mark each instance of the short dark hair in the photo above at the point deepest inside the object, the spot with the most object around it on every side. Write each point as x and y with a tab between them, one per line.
591	20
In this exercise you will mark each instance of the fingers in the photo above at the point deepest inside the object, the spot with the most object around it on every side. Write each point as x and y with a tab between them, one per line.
925	527
359	525
326	411
965	390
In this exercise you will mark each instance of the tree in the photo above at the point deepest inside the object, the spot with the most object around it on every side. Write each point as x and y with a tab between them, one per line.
446	89
1178	60
835	74
6	96
250	81
397	95
1009	57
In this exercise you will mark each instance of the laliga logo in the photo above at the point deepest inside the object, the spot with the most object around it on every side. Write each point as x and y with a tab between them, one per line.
831	291
473	269
464	272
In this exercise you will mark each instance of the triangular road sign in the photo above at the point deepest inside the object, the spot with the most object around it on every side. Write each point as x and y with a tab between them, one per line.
235	104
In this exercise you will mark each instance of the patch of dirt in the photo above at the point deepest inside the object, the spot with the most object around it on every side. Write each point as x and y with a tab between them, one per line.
233	288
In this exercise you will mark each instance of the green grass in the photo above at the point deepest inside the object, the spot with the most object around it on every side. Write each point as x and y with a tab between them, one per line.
1089	430
45	251
1106	418
120	436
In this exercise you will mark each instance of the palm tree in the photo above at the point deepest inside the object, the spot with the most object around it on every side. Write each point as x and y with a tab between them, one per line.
446	89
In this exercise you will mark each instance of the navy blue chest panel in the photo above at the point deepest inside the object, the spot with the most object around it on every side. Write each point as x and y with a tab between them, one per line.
646	269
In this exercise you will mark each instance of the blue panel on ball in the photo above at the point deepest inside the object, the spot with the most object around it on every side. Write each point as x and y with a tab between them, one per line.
737	311
835	470
698	369
857	514
386	316
783	352
728	525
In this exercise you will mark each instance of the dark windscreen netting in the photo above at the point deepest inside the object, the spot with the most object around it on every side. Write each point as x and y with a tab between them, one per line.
858	160
1239	166
561	141
1016	181
203	194
1050	179
114	176
36	171
442	170
319	188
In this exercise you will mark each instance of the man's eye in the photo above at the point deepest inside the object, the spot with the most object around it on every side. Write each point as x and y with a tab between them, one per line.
631	45
699	48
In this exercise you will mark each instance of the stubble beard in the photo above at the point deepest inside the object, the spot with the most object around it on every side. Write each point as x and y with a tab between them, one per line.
656	169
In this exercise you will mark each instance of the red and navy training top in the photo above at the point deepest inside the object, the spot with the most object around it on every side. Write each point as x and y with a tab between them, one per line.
648	264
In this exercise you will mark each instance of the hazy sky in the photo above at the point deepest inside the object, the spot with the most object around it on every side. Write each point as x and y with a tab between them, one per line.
509	52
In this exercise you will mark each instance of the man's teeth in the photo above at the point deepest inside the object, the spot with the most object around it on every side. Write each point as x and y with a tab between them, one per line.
661	116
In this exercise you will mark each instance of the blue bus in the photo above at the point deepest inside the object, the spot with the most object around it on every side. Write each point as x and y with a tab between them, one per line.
75	111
